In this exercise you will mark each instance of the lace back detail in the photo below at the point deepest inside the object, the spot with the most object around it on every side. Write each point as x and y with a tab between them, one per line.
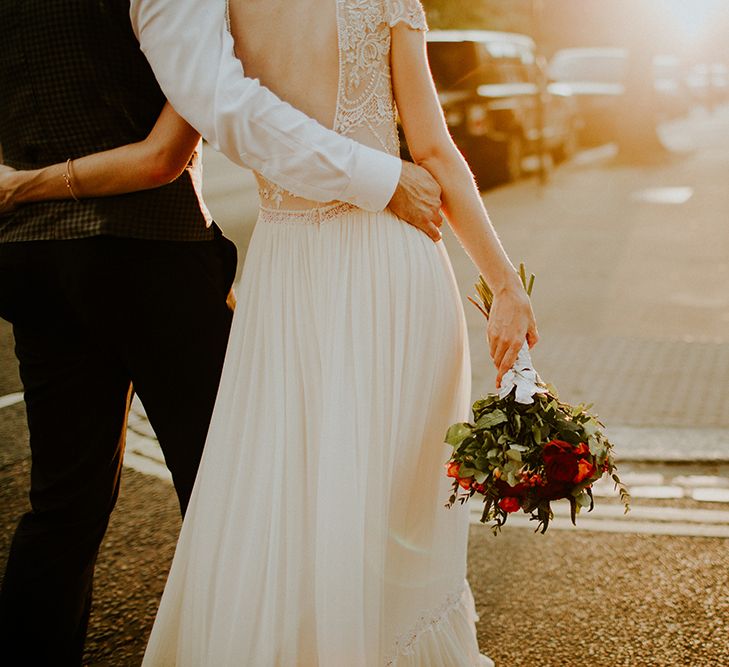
365	106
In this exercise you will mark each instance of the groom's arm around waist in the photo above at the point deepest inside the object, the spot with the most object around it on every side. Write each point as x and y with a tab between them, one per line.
191	53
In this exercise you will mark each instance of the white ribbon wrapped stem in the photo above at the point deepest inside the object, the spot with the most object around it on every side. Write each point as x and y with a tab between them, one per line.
522	376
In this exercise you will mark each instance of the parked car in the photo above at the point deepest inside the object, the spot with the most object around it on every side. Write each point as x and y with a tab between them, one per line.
489	87
596	78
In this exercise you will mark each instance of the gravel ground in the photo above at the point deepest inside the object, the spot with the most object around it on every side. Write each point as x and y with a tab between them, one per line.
132	565
570	599
559	600
9	378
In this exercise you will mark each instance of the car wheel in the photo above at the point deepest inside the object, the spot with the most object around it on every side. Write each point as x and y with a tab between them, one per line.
568	147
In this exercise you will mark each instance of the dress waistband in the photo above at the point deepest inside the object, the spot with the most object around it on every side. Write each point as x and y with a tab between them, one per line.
307	216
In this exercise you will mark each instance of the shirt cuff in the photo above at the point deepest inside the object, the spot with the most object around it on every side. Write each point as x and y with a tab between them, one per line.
374	179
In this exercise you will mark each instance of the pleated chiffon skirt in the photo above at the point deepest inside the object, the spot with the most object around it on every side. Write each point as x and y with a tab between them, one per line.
317	534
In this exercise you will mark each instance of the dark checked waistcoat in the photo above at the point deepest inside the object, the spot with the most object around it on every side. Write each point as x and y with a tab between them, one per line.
73	81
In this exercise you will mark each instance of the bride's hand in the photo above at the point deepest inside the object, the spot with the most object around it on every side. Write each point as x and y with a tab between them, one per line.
511	322
7	189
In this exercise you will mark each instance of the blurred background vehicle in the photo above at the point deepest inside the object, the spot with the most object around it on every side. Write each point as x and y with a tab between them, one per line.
708	84
496	102
596	77
673	99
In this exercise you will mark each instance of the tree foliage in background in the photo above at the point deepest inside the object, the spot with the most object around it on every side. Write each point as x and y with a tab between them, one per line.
509	15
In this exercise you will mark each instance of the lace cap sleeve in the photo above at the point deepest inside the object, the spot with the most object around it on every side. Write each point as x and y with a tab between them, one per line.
410	12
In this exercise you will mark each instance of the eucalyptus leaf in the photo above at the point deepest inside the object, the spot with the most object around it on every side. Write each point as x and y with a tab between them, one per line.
491	419
457	434
590	428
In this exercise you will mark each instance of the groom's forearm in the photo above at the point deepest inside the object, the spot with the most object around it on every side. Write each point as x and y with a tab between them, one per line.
191	53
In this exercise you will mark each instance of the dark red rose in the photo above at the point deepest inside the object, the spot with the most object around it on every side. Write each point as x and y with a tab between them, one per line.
510	504
506	491
560	461
554	490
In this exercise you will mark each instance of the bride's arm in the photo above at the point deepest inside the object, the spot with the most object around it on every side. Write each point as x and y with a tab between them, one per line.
157	160
432	147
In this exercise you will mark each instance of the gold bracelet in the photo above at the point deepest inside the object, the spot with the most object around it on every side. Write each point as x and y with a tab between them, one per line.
68	178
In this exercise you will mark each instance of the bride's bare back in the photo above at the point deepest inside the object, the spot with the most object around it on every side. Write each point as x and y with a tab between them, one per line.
291	46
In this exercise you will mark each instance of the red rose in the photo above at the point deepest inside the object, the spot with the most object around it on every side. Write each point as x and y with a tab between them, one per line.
452	469
560	461
585	469
510	504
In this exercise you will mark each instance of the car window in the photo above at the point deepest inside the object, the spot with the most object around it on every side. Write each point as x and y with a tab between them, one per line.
453	64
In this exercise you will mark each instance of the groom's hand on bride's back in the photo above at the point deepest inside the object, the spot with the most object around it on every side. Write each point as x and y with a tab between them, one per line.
417	200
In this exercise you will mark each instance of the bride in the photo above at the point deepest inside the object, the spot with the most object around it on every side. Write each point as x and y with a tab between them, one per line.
316	534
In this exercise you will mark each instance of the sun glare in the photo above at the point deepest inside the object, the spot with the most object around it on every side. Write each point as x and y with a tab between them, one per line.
693	16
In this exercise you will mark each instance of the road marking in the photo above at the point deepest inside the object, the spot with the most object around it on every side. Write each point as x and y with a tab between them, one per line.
11	399
677	195
143	454
146	466
672	529
641	520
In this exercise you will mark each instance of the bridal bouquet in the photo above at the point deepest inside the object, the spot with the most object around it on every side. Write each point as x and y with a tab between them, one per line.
526	448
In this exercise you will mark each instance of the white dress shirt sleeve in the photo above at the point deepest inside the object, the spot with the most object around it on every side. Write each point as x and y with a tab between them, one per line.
190	49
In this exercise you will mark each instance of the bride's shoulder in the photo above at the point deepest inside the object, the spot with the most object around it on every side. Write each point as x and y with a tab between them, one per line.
410	12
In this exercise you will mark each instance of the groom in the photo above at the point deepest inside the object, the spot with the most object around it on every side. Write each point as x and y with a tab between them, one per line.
108	293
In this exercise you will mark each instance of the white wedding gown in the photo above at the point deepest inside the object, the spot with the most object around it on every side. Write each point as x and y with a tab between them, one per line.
317	534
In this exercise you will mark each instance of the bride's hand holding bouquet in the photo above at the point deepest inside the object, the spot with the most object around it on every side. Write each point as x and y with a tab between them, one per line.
511	321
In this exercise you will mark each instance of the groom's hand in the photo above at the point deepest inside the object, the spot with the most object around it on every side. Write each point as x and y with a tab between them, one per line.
417	200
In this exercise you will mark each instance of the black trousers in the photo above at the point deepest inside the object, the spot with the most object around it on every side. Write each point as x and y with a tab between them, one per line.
92	318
